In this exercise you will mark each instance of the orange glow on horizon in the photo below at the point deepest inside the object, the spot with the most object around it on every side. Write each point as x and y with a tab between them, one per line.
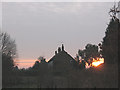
25	63
97	62
87	65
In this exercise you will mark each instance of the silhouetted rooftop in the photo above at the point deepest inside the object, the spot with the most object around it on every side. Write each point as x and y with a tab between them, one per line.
63	56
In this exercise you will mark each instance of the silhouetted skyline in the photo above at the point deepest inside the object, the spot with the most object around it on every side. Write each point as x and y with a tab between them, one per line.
39	28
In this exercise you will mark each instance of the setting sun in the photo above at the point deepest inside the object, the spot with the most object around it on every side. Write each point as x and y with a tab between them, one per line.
97	62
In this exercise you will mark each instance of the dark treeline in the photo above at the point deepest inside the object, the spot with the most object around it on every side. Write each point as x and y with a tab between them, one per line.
68	73
8	48
90	52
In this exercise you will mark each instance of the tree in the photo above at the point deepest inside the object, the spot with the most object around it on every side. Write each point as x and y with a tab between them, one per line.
41	59
81	53
90	51
8	49
7	46
36	65
110	41
41	65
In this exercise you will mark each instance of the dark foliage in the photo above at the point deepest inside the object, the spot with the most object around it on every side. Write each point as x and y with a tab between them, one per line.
9	70
110	42
90	51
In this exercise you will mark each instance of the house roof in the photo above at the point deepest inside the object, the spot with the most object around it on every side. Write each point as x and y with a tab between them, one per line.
63	55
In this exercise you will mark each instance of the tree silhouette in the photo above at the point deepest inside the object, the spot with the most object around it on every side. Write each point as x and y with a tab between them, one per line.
81	53
110	41
89	51
8	46
40	66
41	59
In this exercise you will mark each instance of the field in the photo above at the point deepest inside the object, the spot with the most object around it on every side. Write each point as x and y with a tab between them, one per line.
104	76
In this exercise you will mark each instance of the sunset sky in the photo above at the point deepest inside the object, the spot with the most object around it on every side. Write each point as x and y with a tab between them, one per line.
39	28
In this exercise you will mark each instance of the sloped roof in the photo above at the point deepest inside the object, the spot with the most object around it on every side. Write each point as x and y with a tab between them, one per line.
63	55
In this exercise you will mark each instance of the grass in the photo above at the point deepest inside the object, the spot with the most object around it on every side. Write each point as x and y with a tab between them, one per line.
104	76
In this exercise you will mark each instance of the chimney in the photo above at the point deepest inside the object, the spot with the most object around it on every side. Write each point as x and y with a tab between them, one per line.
59	49
62	47
55	52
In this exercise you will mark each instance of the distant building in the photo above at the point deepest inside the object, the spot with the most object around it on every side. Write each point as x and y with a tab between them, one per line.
61	62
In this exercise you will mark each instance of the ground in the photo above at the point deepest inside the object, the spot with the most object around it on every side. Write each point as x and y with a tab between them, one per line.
104	76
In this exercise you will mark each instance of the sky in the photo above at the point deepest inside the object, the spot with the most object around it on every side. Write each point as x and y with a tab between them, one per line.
39	28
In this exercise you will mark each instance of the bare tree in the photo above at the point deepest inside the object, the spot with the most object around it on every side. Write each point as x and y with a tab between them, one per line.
114	11
7	45
41	59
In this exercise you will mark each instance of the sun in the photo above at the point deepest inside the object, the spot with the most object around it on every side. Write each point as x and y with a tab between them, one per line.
97	62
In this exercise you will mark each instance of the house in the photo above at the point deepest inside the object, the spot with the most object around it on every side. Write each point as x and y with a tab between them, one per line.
61	61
